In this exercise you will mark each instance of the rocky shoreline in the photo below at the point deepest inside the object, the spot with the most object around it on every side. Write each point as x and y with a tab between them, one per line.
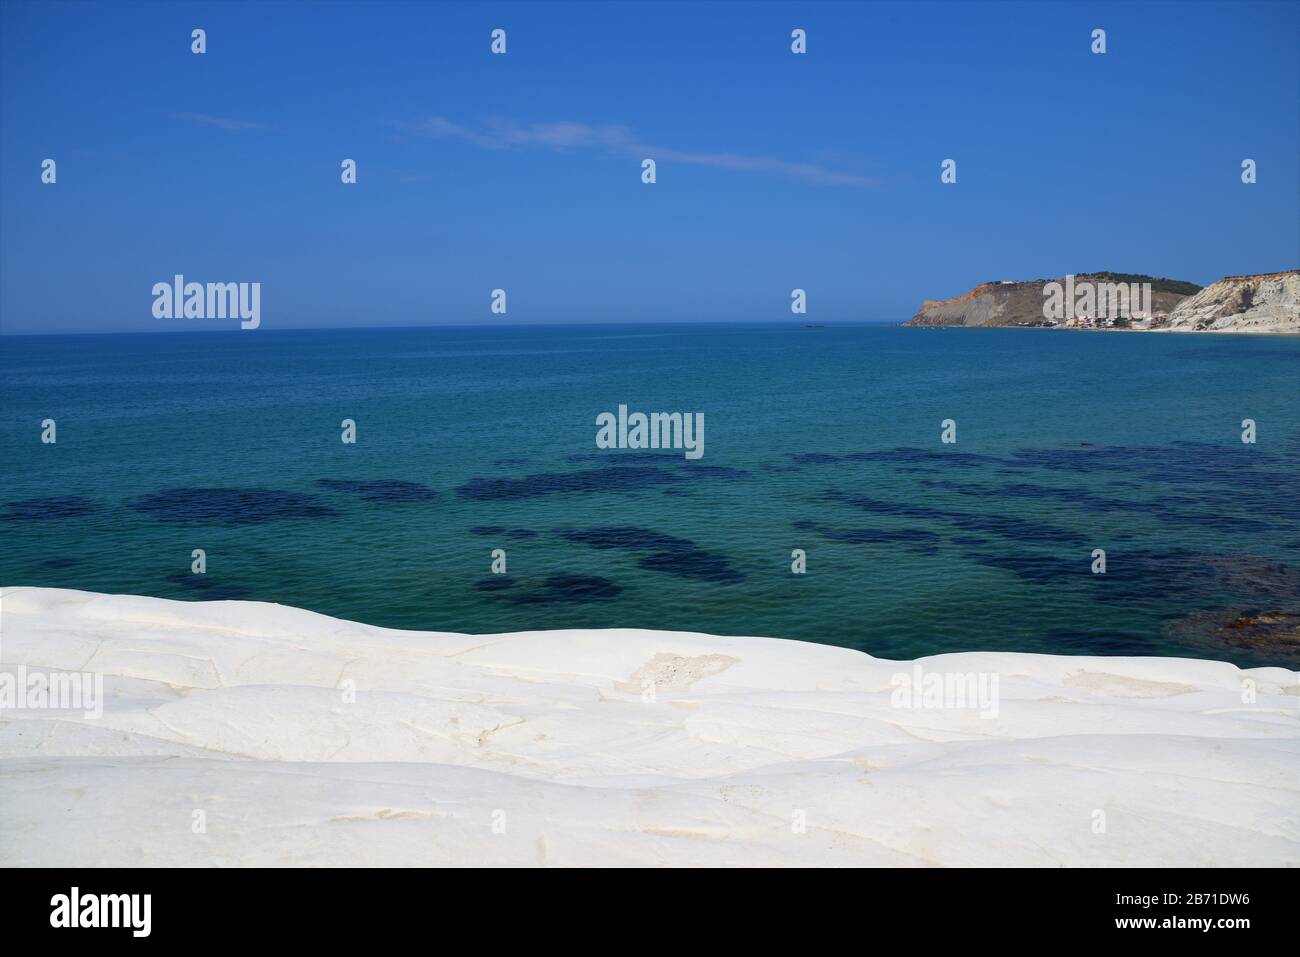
302	740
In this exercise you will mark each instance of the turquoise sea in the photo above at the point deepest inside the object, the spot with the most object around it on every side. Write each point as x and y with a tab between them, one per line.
823	439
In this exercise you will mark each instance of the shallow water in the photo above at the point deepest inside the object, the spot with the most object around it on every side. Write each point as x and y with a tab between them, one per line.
828	440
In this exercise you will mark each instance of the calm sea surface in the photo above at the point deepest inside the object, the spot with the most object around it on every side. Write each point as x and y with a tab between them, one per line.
828	440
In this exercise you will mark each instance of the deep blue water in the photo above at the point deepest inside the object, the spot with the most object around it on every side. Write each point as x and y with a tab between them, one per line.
828	440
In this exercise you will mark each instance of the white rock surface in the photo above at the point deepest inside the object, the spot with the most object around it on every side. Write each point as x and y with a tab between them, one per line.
234	709
1264	303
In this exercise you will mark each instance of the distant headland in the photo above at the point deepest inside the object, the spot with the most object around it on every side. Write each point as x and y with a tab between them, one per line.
1262	303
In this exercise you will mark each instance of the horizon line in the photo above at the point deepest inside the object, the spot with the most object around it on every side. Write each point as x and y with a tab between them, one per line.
516	325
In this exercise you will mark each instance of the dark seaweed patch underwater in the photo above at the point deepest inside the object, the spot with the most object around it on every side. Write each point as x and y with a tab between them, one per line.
384	491
232	506
48	507
667	553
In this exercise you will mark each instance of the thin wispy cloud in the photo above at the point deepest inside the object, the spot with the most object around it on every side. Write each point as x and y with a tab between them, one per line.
221	122
506	134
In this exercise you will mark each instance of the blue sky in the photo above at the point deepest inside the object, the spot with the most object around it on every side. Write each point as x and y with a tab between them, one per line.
522	171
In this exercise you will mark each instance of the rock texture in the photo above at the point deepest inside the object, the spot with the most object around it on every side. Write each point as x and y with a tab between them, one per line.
244	733
1269	302
1021	303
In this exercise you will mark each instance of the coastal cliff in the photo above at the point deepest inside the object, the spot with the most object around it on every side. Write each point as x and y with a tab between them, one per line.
1269	302
1020	303
1263	303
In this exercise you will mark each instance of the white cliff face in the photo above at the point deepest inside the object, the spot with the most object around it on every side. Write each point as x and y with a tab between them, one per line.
243	733
1264	303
